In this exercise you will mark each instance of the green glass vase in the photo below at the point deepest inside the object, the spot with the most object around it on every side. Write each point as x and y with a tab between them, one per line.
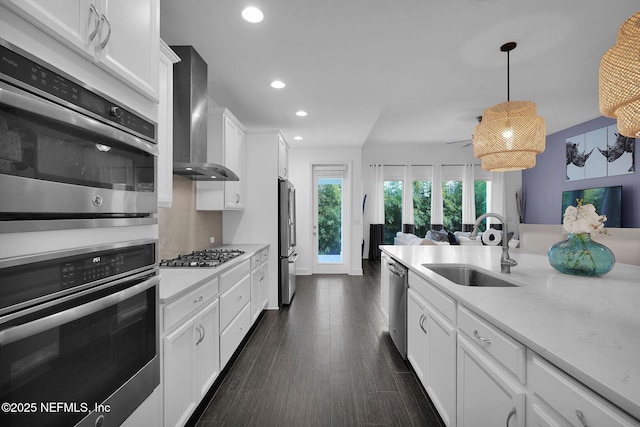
581	256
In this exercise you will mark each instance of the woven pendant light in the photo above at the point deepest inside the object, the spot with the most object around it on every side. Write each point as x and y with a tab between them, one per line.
510	134
619	88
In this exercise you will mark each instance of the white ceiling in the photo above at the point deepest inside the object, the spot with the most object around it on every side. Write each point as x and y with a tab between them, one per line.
397	71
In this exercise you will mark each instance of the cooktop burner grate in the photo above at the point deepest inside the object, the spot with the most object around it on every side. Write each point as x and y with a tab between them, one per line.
203	258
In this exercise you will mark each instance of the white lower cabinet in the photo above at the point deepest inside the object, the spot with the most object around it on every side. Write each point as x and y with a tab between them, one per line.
431	344
559	400
479	376
191	364
487	395
235	311
232	336
417	334
264	282
257	276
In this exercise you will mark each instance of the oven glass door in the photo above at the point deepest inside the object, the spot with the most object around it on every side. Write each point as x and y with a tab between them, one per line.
80	165
61	364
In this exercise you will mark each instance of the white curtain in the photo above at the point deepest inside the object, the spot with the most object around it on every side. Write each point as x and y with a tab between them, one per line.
498	202
436	195
468	196
407	196
377	194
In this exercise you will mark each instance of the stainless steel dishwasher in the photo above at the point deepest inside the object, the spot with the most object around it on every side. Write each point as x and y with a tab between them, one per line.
398	285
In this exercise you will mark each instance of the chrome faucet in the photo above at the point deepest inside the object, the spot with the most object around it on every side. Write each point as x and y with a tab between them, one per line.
506	262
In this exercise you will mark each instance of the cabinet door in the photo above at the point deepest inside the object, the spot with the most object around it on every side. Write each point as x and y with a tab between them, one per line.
417	334
165	127
283	158
179	372
441	365
486	396
256	300
234	153
208	347
129	42
264	284
70	21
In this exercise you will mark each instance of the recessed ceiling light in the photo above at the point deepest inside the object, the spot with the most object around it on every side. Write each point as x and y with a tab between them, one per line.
252	14
277	84
297	138
301	113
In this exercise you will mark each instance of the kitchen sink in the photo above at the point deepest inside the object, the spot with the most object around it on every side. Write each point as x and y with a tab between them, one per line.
467	275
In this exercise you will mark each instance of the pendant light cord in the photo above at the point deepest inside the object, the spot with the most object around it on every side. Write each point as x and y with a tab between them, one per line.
508	78
508	47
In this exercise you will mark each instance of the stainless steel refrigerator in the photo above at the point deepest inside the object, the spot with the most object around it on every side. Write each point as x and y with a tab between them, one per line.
286	241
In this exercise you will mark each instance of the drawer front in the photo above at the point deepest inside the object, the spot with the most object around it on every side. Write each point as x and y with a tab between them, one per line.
230	277
232	301
180	309
231	337
255	260
502	347
443	303
575	402
264	255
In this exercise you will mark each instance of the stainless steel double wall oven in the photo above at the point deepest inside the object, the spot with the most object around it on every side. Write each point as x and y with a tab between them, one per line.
79	332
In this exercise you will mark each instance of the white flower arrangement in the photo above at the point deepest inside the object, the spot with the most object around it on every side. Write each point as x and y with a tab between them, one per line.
583	219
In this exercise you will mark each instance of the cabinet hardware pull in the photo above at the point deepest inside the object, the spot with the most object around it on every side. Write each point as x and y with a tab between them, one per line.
237	198
580	416
483	339
106	39
511	414
200	336
96	22
421	321
197	300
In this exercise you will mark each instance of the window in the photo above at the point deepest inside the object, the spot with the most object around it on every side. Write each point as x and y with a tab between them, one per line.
480	189
392	210
422	207
452	205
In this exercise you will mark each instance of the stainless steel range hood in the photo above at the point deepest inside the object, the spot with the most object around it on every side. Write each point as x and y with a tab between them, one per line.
190	120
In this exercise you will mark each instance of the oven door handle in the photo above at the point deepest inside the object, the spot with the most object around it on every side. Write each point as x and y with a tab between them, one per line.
19	332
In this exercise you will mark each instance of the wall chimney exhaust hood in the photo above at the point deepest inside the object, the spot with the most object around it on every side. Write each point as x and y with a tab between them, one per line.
190	120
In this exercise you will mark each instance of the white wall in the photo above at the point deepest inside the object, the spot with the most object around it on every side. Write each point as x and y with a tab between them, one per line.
301	161
422	154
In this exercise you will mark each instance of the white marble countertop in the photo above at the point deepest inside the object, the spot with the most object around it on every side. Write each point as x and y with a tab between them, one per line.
178	281
587	326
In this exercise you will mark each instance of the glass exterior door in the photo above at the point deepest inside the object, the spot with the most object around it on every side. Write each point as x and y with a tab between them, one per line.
329	219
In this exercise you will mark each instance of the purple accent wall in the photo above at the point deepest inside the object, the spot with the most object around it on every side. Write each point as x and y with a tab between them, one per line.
543	185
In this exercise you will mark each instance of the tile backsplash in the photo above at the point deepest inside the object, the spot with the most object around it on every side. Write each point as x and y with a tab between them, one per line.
182	228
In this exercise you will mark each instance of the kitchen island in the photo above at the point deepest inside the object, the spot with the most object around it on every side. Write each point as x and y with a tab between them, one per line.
587	327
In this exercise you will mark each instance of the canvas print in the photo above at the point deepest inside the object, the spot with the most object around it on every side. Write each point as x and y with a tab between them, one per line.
620	153
602	152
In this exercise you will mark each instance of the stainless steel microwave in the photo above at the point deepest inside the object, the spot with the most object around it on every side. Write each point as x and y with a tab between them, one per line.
67	150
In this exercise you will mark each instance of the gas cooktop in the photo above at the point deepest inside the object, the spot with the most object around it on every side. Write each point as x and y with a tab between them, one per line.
203	258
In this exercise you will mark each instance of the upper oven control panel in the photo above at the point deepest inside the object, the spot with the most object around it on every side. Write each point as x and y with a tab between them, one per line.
20	70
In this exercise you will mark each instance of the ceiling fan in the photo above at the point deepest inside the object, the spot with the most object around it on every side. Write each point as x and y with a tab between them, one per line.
466	142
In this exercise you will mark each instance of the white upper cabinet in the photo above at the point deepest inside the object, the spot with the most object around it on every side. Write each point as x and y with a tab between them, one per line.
121	37
165	126
283	158
226	146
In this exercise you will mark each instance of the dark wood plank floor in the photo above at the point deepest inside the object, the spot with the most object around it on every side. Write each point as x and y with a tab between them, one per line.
326	360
